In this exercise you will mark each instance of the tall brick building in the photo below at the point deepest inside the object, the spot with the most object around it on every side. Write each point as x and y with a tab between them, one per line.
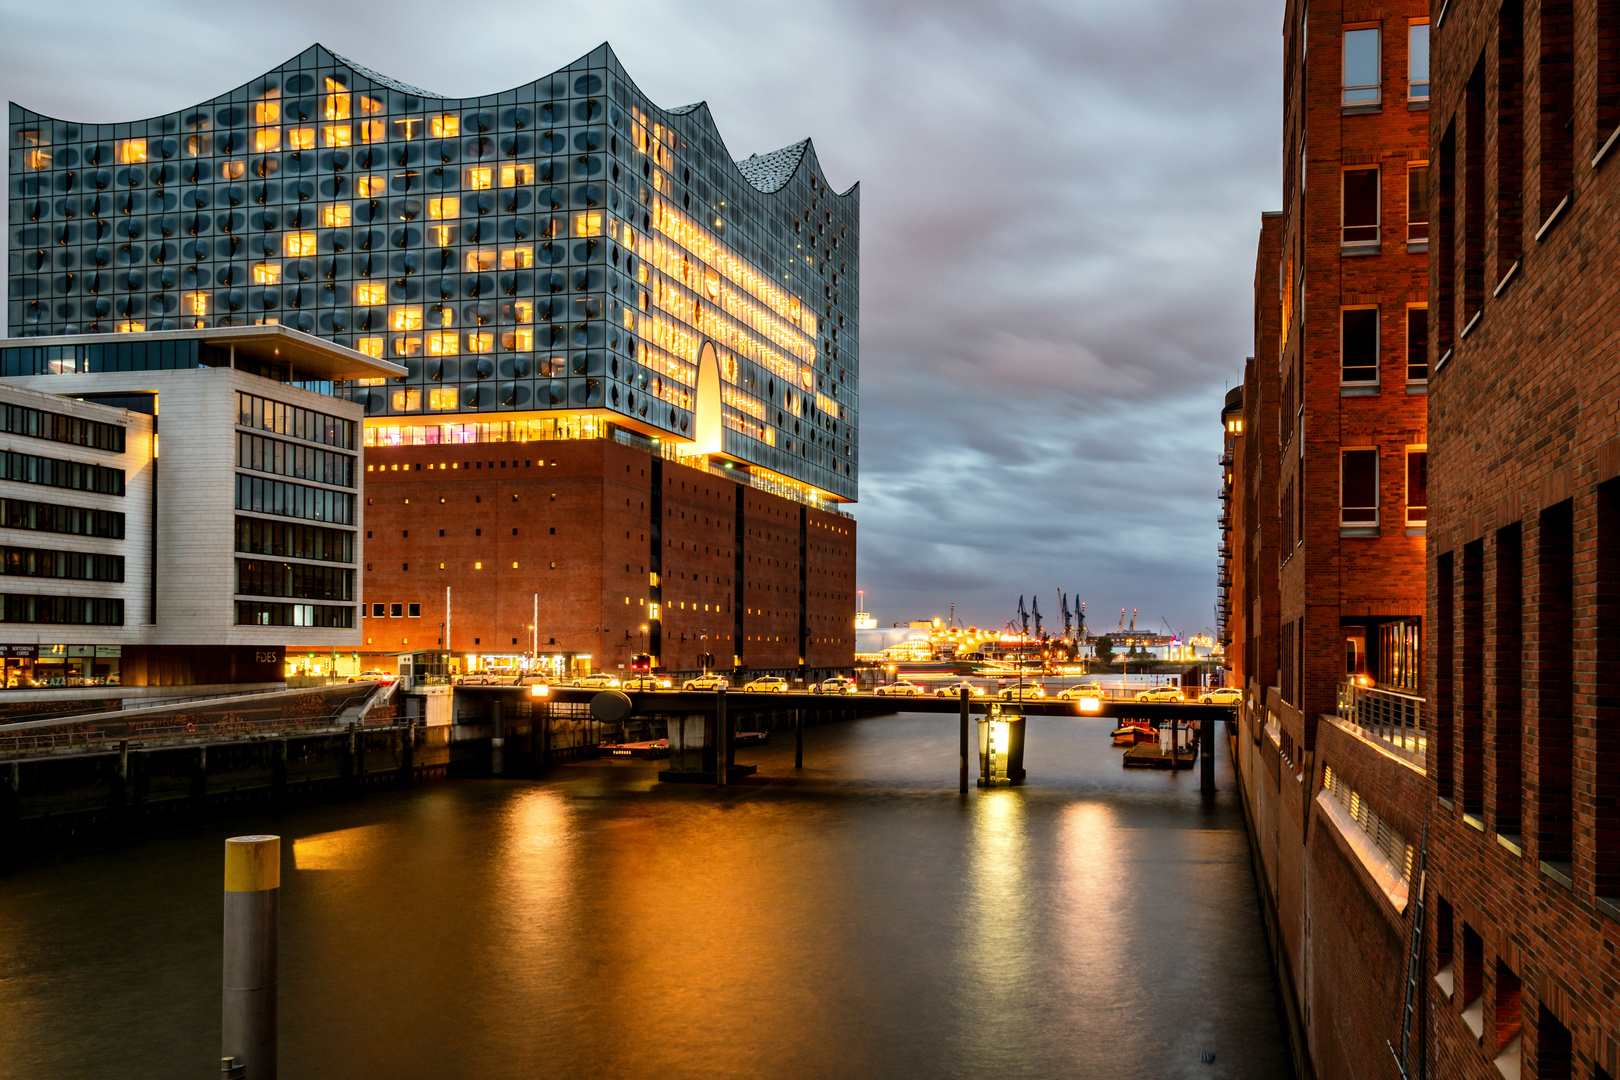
1325	610
1524	551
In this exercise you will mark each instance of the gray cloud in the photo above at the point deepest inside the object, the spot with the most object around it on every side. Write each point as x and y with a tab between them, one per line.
1060	205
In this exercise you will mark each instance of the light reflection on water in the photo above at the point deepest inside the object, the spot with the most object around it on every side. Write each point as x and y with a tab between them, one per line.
860	921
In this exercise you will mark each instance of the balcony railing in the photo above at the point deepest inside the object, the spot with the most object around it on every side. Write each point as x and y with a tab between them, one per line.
1391	715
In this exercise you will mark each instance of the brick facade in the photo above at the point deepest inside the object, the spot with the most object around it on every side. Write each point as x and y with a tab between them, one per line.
570	525
1525	753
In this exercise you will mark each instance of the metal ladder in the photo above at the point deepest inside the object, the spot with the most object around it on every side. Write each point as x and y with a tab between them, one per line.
1414	964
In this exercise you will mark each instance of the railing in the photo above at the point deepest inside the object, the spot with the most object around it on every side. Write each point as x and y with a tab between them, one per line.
1391	715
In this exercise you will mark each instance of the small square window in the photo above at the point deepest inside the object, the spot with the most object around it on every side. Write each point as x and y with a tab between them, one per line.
396	611
416	611
377	611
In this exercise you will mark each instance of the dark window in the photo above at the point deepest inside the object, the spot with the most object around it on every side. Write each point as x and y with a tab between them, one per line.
1359	345
1358	504
376	611
1507	631
71	565
53	518
1417	344
1361	67
1361	206
260	613
1417	487
396	611
1557	73
282	539
21	420
54	472
416	611
258	577
62	610
1555	1052
1554	593
1417	203
1509	135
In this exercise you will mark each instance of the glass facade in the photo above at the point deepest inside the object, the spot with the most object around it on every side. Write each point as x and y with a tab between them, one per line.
564	247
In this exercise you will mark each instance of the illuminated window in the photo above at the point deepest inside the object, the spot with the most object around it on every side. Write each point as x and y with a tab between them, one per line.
446	206
335	216
711	282
517	258
371	293
197	145
629	319
408	128
518	340
369	187
481	259
522	311
587	224
266	273
372	131
233	170
443	235
406	318
442	398
301	138
267	139
479	341
407	400
337	134
407	346
300	244
38	159
266	112
641	274
446	127
197	303
445	314
337	104
443	343
371	346
131	327
513	175
629	238
480	178
131	151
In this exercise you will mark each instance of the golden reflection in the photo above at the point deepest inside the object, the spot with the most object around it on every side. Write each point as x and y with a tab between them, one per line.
1002	940
1095	924
340	850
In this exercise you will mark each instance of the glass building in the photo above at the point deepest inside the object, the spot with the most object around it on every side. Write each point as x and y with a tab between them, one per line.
559	260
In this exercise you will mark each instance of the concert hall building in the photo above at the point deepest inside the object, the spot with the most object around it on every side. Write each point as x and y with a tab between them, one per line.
628	417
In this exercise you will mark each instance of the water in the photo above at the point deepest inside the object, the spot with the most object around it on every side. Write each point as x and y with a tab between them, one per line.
864	920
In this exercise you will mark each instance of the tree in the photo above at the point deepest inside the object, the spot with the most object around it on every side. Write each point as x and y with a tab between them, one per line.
1105	649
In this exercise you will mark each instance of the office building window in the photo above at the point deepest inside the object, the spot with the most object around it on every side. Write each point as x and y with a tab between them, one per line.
416	611
1358	345
261	613
396	611
1417	61
1417	485
1417	202
377	611
1361	66
1417	344
61	610
1360	207
1358	487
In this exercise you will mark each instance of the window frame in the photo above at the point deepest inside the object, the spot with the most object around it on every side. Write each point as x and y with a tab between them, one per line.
1423	345
1345	239
1416	450
1360	523
1376	87
1412	84
1377	351
1411	223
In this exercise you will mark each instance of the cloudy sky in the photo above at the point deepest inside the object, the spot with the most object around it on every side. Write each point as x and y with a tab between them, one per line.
1060	204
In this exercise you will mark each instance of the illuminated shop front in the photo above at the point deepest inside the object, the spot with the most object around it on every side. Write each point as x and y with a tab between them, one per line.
45	667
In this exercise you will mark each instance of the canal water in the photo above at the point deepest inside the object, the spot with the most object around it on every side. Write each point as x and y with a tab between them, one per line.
860	920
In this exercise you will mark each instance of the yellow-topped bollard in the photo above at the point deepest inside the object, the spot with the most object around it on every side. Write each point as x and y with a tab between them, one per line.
252	917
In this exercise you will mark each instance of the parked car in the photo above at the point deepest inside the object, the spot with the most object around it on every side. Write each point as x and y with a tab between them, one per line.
646	682
478	678
900	689
384	677
710	681
955	689
838	684
1161	694
768	684
1084	690
1223	695
535	678
600	681
1021	692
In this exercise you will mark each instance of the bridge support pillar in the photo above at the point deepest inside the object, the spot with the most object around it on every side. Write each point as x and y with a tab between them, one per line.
1206	752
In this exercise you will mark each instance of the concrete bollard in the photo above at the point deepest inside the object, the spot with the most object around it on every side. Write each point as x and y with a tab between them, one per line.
252	916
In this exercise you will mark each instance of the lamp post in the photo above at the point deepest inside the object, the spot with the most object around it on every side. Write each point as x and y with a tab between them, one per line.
643	637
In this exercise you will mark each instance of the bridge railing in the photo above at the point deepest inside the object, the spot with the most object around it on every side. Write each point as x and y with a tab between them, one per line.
1391	715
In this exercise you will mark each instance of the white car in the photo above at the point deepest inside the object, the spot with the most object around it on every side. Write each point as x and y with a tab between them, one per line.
955	690
1022	692
768	684
1223	695
901	689
479	678
705	682
838	684
1161	694
1084	690
598	681
645	682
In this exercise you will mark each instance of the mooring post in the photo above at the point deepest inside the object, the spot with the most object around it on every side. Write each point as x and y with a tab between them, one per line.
798	738
722	736
252	916
497	737
963	773
1206	768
